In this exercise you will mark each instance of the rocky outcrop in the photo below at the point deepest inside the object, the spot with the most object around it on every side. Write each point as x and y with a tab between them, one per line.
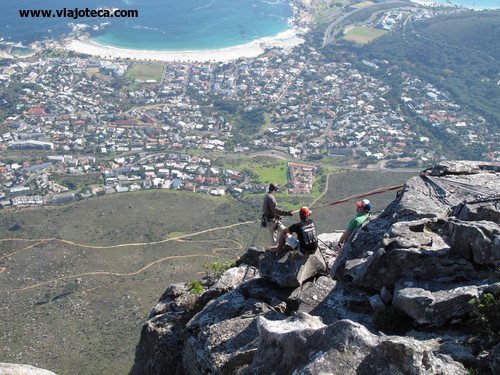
288	270
423	259
304	345
17	369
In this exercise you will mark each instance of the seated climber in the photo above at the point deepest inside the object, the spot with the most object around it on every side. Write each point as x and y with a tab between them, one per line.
306	235
362	213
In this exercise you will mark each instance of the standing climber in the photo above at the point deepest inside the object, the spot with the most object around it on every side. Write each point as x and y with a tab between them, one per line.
362	213
271	214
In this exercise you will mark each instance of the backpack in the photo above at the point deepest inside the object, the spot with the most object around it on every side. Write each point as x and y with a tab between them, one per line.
308	238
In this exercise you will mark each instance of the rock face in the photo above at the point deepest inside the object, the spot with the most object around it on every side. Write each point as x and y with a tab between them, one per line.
432	250
304	345
17	369
289	271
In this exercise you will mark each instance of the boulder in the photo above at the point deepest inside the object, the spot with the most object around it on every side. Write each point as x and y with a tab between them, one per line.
233	277
462	167
478	241
289	271
18	369
385	268
304	345
479	211
252	256
328	247
435	303
226	347
162	336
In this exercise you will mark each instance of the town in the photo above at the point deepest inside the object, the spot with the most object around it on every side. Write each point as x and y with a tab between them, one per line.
139	125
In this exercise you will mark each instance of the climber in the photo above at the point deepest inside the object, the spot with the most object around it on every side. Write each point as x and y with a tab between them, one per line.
362	213
271	215
306	235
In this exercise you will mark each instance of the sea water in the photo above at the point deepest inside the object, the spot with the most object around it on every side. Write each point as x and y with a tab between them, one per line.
472	4
161	25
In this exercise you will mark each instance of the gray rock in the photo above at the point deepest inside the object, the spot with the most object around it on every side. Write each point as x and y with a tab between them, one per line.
252	256
406	356
416	202
328	247
479	241
462	167
310	296
376	302
303	345
384	269
226	347
435	303
494	358
227	306
264	290
386	296
18	369
233	277
287	271
489	211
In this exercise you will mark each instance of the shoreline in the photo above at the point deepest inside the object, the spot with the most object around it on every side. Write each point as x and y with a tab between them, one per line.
285	39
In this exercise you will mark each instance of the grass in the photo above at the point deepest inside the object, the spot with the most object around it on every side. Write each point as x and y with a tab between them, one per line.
93	71
77	181
145	72
364	4
264	169
363	34
88	310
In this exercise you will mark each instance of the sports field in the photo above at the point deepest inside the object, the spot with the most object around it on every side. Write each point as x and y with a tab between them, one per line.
363	34
145	72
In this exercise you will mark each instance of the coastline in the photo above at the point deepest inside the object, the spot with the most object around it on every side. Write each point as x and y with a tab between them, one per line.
286	39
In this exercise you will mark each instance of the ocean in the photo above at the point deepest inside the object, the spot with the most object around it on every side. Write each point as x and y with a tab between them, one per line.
172	25
161	25
473	4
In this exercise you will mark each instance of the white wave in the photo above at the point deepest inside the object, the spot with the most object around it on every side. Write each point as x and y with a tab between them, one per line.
204	6
148	28
271	2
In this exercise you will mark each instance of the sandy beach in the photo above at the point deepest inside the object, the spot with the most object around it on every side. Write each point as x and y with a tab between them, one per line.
285	39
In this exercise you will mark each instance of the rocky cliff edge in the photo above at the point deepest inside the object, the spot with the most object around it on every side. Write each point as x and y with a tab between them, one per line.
395	300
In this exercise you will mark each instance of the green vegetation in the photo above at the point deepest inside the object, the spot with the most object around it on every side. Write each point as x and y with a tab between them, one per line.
486	313
77	181
363	34
195	287
93	71
218	267
364	4
145	72
262	169
247	121
392	321
457	53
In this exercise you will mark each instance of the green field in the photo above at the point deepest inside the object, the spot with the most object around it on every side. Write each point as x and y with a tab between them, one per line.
80	304
145	72
363	34
263	169
364	4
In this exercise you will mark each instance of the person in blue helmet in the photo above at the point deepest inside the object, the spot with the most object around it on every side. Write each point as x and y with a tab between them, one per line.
363	209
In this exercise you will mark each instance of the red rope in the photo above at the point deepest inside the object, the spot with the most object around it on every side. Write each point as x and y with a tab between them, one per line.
352	197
